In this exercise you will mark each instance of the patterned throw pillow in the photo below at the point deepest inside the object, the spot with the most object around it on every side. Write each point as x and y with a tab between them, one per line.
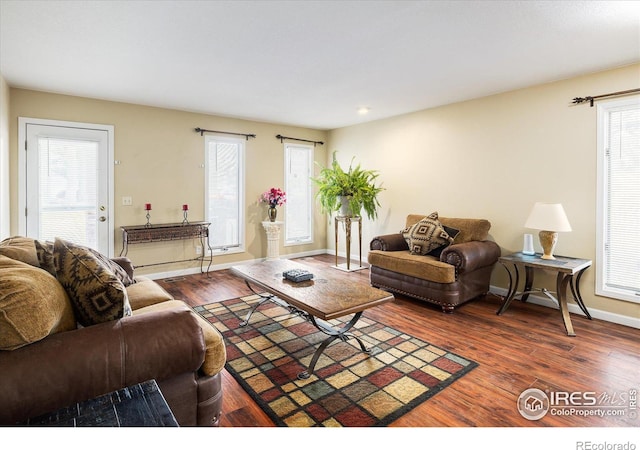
96	293
45	256
426	235
452	232
116	268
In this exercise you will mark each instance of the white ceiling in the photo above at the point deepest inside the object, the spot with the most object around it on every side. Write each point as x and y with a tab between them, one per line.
308	63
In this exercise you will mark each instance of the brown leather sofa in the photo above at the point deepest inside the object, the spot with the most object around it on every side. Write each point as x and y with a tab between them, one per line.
461	273
163	339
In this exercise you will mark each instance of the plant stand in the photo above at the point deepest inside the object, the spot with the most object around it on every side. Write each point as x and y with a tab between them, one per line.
348	220
273	239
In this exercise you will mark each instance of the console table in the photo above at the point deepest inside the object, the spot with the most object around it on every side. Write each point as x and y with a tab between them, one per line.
569	271
140	405
139	234
347	221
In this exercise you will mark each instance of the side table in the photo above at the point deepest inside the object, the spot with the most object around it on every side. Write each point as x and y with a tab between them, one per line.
569	271
273	239
347	221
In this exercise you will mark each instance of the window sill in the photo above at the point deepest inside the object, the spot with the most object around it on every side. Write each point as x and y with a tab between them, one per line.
301	242
228	251
619	294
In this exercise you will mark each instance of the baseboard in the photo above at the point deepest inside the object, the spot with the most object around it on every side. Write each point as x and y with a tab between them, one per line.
214	267
354	256
620	319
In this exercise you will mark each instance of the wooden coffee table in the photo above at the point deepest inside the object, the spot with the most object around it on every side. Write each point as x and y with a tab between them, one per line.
327	296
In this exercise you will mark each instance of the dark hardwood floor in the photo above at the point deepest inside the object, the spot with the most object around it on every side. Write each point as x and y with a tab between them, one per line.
524	348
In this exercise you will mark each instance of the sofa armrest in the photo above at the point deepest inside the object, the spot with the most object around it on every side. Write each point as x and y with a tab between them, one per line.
389	243
125	263
470	256
77	365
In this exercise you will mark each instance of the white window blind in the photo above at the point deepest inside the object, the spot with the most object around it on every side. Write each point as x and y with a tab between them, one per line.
298	186
224	185
619	200
67	185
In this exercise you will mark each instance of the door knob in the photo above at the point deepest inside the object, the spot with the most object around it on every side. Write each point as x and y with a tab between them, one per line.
102	218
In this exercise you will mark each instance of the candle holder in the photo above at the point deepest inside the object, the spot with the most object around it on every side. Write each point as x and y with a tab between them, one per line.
185	212
147	207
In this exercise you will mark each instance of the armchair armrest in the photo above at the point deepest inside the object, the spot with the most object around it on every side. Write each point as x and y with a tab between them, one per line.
81	364
469	256
389	243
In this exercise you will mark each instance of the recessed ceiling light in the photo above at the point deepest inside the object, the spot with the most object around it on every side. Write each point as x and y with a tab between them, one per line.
363	110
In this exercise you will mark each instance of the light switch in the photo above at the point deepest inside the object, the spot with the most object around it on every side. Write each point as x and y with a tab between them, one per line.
126	201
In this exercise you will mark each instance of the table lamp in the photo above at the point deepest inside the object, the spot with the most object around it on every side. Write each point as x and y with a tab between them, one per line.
550	218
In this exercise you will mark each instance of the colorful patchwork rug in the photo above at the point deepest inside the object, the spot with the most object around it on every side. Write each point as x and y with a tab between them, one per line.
349	388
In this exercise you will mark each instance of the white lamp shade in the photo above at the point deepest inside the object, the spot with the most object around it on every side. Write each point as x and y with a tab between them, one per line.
549	217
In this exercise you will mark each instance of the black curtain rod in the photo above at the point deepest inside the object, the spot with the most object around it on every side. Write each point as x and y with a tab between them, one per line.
282	138
578	100
203	131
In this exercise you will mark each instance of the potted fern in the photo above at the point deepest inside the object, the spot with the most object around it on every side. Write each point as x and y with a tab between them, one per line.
348	192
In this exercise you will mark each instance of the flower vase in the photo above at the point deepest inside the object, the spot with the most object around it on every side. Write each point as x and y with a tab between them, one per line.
273	213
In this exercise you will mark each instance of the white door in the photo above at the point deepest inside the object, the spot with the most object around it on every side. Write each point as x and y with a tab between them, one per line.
67	183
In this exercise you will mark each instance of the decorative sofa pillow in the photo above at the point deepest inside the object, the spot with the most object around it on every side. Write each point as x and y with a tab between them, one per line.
452	232
426	235
45	257
33	305
96	294
116	268
44	250
21	249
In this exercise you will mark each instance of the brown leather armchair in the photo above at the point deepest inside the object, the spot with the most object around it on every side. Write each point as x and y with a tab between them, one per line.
461	273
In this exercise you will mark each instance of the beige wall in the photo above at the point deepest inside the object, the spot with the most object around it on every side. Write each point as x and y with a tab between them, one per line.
4	159
494	158
160	158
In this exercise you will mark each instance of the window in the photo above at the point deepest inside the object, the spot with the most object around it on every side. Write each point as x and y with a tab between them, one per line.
618	239
298	161
224	181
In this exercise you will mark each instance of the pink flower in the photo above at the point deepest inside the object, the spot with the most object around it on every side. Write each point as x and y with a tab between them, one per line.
274	197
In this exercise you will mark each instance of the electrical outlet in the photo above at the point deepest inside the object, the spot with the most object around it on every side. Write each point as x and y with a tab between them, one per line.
198	250
126	201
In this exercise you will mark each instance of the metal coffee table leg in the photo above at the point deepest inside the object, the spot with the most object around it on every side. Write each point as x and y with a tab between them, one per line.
273	299
264	297
334	333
